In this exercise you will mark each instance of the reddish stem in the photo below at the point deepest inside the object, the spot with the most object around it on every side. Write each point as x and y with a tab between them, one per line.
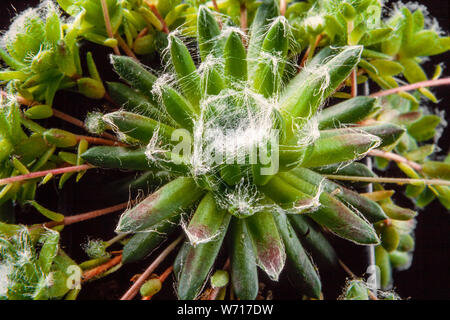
354	78
63	116
418	85
101	141
216	7
158	15
87	216
142	33
161	278
58	114
39	174
165	274
20	99
215	291
131	293
108	98
347	269
68	118
307	52
244	23
89	274
283	7
395	157
123	45
108	24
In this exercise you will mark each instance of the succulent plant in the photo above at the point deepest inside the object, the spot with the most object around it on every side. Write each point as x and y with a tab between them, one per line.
237	100
28	275
246	142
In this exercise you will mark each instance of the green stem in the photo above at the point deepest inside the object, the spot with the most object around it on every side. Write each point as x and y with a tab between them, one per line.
115	239
312	48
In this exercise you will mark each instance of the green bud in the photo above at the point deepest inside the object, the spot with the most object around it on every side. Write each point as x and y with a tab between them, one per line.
389	237
382	261
151	18
41	111
94	123
110	42
219	279
399	259
406	243
144	45
91	88
151	287
348	11
60	138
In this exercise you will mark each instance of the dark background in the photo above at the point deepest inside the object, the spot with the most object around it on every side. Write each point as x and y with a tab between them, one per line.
428	277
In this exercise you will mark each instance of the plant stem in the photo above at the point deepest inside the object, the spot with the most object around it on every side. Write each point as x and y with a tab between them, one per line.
244	23
399	181
39	174
142	33
123	45
372	296
115	239
396	158
347	269
354	83
131	293
101	141
309	53
418	85
76	122
87	216
216	7
158	15
21	100
283	7
161	278
108	24
58	114
63	116
215	291
165	274
89	274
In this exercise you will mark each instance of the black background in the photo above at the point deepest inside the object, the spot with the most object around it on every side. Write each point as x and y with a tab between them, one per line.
428	277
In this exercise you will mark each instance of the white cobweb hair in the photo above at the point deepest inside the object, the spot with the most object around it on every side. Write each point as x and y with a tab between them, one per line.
19	23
